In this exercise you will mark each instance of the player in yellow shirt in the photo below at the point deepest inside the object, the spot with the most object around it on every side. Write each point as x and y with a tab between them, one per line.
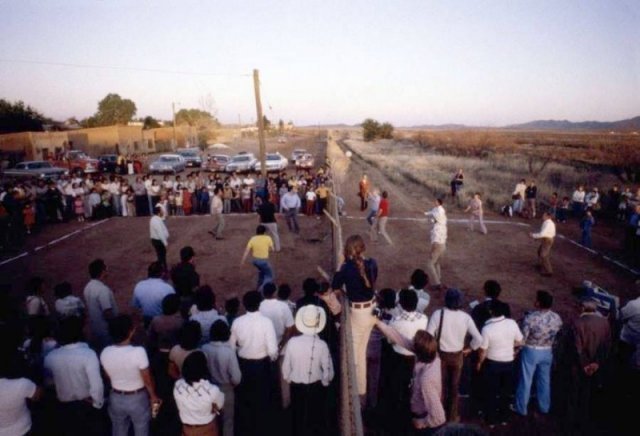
259	246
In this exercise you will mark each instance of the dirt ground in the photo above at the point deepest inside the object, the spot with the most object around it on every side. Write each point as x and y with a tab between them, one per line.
124	245
506	254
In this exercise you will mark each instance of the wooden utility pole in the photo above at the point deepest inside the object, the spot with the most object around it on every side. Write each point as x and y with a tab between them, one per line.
256	88
175	137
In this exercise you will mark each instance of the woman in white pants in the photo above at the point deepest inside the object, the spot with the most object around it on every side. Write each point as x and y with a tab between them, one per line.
358	276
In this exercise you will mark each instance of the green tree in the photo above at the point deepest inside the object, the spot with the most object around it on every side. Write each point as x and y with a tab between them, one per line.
112	109
386	131
196	118
371	129
17	117
150	123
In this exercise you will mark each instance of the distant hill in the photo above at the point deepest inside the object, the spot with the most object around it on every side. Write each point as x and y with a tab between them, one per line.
632	124
439	127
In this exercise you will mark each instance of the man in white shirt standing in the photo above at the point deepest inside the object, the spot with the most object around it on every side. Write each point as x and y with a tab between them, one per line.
397	394
546	235
450	327
438	241
216	211
307	366
159	235
500	337
278	312
518	196
254	338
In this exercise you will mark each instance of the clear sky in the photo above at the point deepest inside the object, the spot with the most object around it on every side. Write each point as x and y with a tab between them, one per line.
324	61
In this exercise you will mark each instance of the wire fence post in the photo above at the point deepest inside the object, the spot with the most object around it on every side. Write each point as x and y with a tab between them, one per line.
350	415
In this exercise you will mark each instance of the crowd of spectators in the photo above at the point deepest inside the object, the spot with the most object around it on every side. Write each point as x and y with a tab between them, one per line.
28	206
618	207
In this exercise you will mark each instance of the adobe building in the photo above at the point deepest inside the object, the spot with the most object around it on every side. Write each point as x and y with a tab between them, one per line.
95	141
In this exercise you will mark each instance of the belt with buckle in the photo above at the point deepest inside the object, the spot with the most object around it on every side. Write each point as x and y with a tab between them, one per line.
364	305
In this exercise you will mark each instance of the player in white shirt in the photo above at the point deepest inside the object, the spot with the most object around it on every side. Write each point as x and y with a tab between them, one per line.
438	236
546	235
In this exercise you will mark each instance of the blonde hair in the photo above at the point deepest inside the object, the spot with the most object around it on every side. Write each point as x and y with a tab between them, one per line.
354	249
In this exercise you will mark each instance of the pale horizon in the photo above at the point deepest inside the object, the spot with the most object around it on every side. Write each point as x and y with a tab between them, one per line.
408	62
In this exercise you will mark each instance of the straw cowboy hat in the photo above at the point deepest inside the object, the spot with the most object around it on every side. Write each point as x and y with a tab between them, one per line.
310	319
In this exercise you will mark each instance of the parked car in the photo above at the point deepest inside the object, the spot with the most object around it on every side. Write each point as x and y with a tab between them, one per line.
273	162
168	163
191	156
108	163
217	162
297	153
241	163
41	169
305	162
77	161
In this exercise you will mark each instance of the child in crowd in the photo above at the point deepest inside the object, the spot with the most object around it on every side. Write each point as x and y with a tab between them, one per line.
553	205
623	206
186	201
284	293
586	224
35	304
172	202
78	208
178	201
231	308
29	215
563	210
67	304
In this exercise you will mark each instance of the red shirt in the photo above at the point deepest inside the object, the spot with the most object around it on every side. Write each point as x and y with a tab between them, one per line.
384	207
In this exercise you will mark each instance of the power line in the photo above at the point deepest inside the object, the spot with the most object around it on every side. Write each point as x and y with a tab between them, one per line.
120	68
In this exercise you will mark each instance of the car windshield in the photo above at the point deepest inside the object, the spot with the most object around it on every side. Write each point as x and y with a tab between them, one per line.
168	159
189	153
273	157
240	159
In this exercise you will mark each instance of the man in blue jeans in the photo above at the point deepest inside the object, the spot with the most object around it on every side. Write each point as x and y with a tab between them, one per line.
539	329
259	246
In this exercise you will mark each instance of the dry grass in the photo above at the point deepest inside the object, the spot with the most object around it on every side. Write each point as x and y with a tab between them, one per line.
494	175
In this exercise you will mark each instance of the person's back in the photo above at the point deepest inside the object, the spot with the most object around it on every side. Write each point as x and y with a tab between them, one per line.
592	335
74	367
249	344
260	245
99	299
148	295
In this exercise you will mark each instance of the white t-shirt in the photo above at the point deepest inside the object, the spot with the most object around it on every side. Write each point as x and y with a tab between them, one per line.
123	364
15	418
311	196
195	401
499	336
279	314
